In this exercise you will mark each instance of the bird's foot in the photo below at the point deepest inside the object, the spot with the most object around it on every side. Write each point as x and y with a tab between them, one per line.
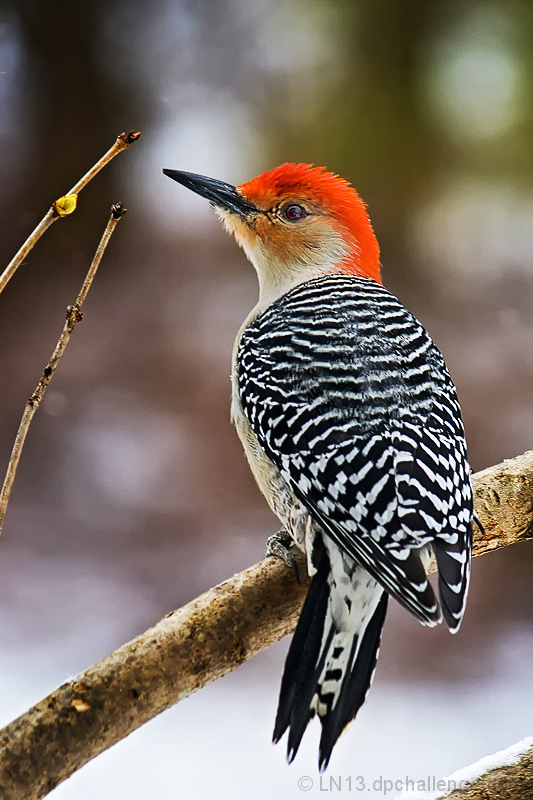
279	545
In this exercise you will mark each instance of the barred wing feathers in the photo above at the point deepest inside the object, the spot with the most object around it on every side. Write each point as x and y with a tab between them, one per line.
350	398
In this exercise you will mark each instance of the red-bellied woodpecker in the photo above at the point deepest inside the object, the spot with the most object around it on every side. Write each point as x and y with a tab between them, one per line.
353	431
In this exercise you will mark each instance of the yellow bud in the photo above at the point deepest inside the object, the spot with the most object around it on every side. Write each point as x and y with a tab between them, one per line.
66	204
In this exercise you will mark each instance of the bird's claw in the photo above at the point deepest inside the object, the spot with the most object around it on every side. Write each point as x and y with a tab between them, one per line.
279	545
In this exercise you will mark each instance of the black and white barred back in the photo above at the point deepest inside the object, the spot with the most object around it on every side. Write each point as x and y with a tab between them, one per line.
351	400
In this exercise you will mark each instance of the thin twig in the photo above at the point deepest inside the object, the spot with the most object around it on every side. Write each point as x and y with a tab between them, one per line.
197	644
74	315
65	205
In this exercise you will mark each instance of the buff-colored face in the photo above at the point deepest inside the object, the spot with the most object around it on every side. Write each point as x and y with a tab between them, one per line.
295	222
287	235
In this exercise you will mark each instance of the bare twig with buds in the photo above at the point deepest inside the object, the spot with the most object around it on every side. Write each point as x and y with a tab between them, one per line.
74	315
65	205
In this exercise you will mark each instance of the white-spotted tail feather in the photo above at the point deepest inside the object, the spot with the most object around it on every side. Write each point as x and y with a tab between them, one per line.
329	668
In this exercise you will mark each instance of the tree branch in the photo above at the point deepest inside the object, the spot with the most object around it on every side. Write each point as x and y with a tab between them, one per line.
506	775
197	644
65	205
511	782
74	315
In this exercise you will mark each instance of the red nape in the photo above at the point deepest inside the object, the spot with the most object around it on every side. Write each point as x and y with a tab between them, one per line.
336	196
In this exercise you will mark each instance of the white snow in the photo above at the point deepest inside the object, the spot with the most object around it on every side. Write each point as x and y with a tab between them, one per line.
459	779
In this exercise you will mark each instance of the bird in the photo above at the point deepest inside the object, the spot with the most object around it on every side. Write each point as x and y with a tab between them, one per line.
352	428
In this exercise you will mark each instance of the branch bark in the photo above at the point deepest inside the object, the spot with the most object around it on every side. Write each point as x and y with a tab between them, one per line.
74	315
197	644
514	782
506	775
65	205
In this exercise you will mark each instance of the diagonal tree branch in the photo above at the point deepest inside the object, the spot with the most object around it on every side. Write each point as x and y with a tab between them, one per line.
506	775
509	781
74	315
65	205
197	644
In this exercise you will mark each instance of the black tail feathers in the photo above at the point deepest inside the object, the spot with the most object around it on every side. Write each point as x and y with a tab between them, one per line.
304	663
331	659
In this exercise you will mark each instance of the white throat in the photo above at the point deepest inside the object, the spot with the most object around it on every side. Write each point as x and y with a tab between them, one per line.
278	273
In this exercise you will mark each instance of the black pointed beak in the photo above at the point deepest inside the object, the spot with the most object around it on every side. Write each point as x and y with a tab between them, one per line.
217	192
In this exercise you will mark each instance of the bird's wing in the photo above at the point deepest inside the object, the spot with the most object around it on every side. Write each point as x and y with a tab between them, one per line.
352	401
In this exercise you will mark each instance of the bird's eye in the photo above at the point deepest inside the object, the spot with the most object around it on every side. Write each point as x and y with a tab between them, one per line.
294	212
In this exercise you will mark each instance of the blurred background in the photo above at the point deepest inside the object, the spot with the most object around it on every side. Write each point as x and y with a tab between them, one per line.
133	496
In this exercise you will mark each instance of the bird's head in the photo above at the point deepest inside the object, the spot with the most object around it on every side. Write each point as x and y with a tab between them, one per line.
295	222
